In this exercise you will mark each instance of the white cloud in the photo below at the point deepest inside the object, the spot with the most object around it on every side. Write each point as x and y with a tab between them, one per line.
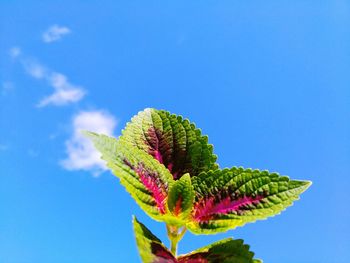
64	91
34	69
54	33
15	52
81	153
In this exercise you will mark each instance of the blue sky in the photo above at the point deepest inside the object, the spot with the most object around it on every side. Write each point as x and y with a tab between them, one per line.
268	81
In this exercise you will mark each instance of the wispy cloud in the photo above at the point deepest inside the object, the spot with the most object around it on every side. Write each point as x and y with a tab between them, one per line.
7	87
64	91
34	68
81	153
54	33
15	52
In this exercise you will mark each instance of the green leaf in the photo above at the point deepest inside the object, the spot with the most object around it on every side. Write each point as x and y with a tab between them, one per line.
143	177
172	140
180	198
224	251
152	250
150	247
233	197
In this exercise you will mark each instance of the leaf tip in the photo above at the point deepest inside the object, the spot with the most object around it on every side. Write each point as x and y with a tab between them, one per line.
134	219
305	184
89	134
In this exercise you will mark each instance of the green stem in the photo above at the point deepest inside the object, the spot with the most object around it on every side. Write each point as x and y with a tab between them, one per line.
175	235
173	246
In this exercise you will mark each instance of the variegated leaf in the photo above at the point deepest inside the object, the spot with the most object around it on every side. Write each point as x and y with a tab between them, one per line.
180	198
143	177
152	250
172	140
224	251
233	197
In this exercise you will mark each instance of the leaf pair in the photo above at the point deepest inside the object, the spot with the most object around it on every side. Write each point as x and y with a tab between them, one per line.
152	250
169	168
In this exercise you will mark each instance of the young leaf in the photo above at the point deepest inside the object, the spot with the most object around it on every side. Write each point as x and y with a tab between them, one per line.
173	141
228	250
224	251
181	196
143	177
150	247
233	197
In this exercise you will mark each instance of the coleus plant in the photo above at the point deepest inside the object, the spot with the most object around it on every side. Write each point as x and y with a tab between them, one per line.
169	168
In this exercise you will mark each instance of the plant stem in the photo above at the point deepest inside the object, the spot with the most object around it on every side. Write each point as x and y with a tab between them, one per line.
175	235
173	246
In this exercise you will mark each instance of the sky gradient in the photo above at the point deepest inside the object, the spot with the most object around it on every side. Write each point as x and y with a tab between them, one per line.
268	82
